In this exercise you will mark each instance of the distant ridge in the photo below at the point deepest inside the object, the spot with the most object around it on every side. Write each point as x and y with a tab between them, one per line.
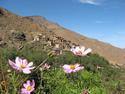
34	25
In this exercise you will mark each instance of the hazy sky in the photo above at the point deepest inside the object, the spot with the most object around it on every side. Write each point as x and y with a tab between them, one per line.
100	19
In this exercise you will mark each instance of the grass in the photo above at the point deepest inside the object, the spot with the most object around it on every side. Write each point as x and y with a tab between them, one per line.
98	76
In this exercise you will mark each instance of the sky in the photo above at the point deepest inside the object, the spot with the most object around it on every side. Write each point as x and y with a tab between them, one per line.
99	19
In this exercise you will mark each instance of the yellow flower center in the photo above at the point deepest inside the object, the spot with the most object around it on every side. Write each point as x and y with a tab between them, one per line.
72	67
23	66
29	88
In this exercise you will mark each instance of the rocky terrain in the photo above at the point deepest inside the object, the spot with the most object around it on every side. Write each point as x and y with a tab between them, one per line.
16	31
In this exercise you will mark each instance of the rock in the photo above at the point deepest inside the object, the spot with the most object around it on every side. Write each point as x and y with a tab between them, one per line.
18	35
49	43
36	38
2	43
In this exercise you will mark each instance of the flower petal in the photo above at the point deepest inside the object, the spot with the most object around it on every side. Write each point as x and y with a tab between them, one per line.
33	83
82	48
28	92
66	66
18	61
23	91
87	51
28	82
77	48
30	64
26	71
13	65
25	85
78	68
30	68
77	65
24	61
68	70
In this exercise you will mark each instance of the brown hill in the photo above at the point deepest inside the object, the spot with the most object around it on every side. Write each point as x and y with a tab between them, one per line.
17	27
15	31
113	54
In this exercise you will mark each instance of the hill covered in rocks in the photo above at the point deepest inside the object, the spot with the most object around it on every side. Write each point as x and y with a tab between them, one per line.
17	31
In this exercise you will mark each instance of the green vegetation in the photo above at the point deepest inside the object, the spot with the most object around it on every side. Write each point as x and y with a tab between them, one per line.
98	76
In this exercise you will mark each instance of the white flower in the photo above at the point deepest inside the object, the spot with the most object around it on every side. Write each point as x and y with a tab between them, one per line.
80	51
22	65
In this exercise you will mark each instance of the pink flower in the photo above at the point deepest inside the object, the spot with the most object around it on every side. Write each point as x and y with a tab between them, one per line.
28	87
21	65
72	68
46	66
80	50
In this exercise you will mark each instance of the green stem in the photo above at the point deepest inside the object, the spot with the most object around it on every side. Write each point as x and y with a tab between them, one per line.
35	70
41	64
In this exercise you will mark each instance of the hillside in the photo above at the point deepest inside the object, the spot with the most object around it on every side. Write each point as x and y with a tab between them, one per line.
35	58
113	54
33	26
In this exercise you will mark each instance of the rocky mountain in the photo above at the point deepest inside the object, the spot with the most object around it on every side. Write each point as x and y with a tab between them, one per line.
15	31
114	54
36	28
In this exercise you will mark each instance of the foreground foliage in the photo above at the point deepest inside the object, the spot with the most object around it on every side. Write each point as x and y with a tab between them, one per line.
97	77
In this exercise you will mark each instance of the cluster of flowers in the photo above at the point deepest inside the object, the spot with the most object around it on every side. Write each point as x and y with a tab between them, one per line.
78	51
22	65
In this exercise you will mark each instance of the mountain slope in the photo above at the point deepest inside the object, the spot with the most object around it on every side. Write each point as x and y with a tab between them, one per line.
17	31
35	25
113	54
